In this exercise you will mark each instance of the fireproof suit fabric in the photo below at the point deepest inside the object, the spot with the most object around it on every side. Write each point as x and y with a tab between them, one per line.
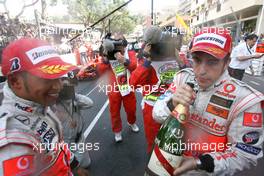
115	97
129	102
228	115
31	140
151	127
154	78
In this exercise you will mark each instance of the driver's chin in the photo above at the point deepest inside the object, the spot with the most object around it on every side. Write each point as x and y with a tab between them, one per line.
49	102
204	85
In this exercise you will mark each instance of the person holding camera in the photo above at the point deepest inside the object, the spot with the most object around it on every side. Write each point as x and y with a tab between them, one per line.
242	56
31	141
120	63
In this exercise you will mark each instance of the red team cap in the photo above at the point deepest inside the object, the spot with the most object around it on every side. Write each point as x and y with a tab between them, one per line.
214	41
35	56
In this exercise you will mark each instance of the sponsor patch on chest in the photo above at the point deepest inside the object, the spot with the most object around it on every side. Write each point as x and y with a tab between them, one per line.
217	111
221	101
211	125
252	119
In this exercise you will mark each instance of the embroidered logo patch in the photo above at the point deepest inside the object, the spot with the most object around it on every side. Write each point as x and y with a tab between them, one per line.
15	64
229	88
22	165
217	111
210	38
39	54
252	119
54	69
221	101
248	149
251	137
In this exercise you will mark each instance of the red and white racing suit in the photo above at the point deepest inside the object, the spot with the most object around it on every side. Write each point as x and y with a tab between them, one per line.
30	139
225	123
114	95
153	78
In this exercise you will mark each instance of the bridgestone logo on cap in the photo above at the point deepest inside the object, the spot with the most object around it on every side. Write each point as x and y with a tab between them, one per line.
42	53
211	39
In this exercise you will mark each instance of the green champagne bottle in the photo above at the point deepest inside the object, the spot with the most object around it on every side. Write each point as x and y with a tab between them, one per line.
168	150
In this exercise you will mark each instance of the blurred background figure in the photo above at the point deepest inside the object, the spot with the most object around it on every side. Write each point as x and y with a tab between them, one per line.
158	62
83	53
120	63
242	55
68	109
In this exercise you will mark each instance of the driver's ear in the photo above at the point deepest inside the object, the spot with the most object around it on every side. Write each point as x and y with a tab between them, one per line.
227	62
15	81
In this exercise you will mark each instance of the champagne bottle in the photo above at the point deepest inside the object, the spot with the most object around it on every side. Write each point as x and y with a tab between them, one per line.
168	149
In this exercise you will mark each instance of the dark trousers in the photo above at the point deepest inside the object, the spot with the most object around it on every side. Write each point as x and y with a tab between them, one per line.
236	73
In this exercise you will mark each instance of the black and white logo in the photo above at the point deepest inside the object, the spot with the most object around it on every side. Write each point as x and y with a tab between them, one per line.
248	149
15	64
23	119
41	53
210	39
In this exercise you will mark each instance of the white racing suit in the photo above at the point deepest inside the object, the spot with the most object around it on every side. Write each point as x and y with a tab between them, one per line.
68	111
30	139
225	124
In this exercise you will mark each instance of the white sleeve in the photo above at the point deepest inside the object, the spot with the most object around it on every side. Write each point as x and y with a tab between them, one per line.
234	53
239	51
246	139
83	101
161	111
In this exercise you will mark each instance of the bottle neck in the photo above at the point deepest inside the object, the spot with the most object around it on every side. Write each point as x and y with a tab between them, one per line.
181	109
180	112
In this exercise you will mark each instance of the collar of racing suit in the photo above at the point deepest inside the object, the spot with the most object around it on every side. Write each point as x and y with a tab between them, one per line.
223	78
21	105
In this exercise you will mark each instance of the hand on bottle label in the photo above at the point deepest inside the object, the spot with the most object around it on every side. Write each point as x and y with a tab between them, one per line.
184	95
188	164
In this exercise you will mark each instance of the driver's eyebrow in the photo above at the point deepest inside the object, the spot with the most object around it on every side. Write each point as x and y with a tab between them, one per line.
194	56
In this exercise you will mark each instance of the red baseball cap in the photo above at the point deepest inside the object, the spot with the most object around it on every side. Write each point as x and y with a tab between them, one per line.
35	56
214	41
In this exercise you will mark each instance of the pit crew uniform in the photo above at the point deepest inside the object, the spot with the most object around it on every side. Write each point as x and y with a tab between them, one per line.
31	139
153	78
118	89
227	117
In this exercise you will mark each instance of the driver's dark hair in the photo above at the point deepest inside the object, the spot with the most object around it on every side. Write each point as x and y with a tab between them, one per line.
251	37
227	58
24	76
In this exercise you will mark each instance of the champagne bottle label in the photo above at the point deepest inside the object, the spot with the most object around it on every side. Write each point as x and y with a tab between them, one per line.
170	136
162	163
167	153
